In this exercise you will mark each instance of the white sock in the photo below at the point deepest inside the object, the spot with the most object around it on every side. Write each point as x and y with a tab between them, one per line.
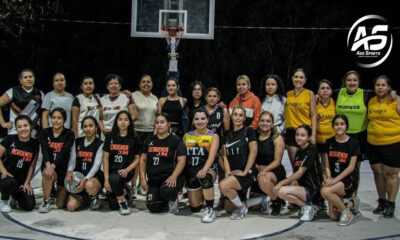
237	202
254	201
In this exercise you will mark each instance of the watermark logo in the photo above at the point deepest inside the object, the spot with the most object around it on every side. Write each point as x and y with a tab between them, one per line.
370	41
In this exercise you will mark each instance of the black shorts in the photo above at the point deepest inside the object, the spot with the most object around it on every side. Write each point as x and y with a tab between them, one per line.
140	137
362	141
290	137
388	155
192	182
246	181
349	187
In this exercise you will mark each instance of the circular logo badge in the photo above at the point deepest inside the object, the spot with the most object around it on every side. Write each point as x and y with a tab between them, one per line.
370	41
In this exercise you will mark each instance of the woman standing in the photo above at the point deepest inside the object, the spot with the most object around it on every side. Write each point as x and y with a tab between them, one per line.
120	157
58	98
274	101
269	159
161	164
384	145
114	102
19	156
85	104
341	177
307	172
201	170
218	117
89	156
174	106
248	100
21	97
239	151
57	148
195	100
300	109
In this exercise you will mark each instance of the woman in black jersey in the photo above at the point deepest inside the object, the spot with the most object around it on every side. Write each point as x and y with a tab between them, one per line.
239	151
307	172
201	170
161	164
57	149
19	153
174	106
340	156
120	157
89	156
269	163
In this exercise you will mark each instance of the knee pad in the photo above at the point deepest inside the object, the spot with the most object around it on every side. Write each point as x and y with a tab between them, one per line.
154	202
207	181
192	183
113	178
167	193
196	209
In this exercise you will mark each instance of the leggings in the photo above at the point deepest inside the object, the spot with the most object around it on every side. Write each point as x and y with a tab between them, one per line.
10	187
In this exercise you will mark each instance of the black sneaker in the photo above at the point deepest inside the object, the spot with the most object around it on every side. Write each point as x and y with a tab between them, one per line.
389	210
276	207
321	205
95	203
381	206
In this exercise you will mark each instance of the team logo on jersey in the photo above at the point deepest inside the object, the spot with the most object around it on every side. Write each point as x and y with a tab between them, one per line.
12	145
151	143
227	145
370	41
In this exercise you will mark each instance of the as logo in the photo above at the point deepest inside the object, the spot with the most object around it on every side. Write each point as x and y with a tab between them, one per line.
370	41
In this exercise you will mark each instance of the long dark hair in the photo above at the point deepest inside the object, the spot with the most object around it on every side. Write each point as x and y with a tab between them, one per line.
115	129
95	123
280	90
190	96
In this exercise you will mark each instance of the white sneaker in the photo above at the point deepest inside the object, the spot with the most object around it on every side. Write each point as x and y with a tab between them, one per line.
4	206
308	213
345	217
45	207
123	208
239	212
173	207
208	216
265	204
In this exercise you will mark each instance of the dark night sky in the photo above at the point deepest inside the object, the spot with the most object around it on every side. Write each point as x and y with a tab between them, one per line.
78	49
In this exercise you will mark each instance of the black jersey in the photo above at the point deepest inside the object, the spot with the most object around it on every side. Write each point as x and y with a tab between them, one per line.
122	151
56	149
309	158
85	155
339	155
216	120
237	147
162	155
19	156
197	149
266	153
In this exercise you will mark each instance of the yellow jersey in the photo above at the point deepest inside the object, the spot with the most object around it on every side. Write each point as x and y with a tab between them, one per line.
297	111
384	122
325	116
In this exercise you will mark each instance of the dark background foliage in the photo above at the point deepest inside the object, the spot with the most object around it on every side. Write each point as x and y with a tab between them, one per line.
31	39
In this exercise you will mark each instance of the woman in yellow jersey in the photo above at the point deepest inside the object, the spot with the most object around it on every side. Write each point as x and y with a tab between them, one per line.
201	169
300	109
384	145
325	113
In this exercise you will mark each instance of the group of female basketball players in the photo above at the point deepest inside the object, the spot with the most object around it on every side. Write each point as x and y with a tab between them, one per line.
122	135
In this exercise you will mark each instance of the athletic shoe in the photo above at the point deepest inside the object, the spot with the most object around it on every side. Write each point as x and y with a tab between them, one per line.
265	204
300	212
321	205
389	210
141	191
95	203
5	206
308	213
45	207
123	208
381	207
356	205
52	201
130	192
239	212
345	217
276	207
12	202
173	207
208	216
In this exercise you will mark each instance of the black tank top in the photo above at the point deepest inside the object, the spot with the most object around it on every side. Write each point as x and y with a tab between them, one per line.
85	155
266	153
174	110
216	120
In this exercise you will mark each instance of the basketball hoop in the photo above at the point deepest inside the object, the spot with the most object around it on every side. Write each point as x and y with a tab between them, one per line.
172	32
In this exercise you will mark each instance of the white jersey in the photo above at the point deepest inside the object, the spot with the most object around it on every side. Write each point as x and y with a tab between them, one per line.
111	106
88	107
147	109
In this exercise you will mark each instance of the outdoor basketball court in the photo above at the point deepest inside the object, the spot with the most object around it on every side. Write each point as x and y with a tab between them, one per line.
106	224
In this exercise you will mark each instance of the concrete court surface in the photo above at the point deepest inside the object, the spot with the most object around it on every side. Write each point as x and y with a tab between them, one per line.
105	224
